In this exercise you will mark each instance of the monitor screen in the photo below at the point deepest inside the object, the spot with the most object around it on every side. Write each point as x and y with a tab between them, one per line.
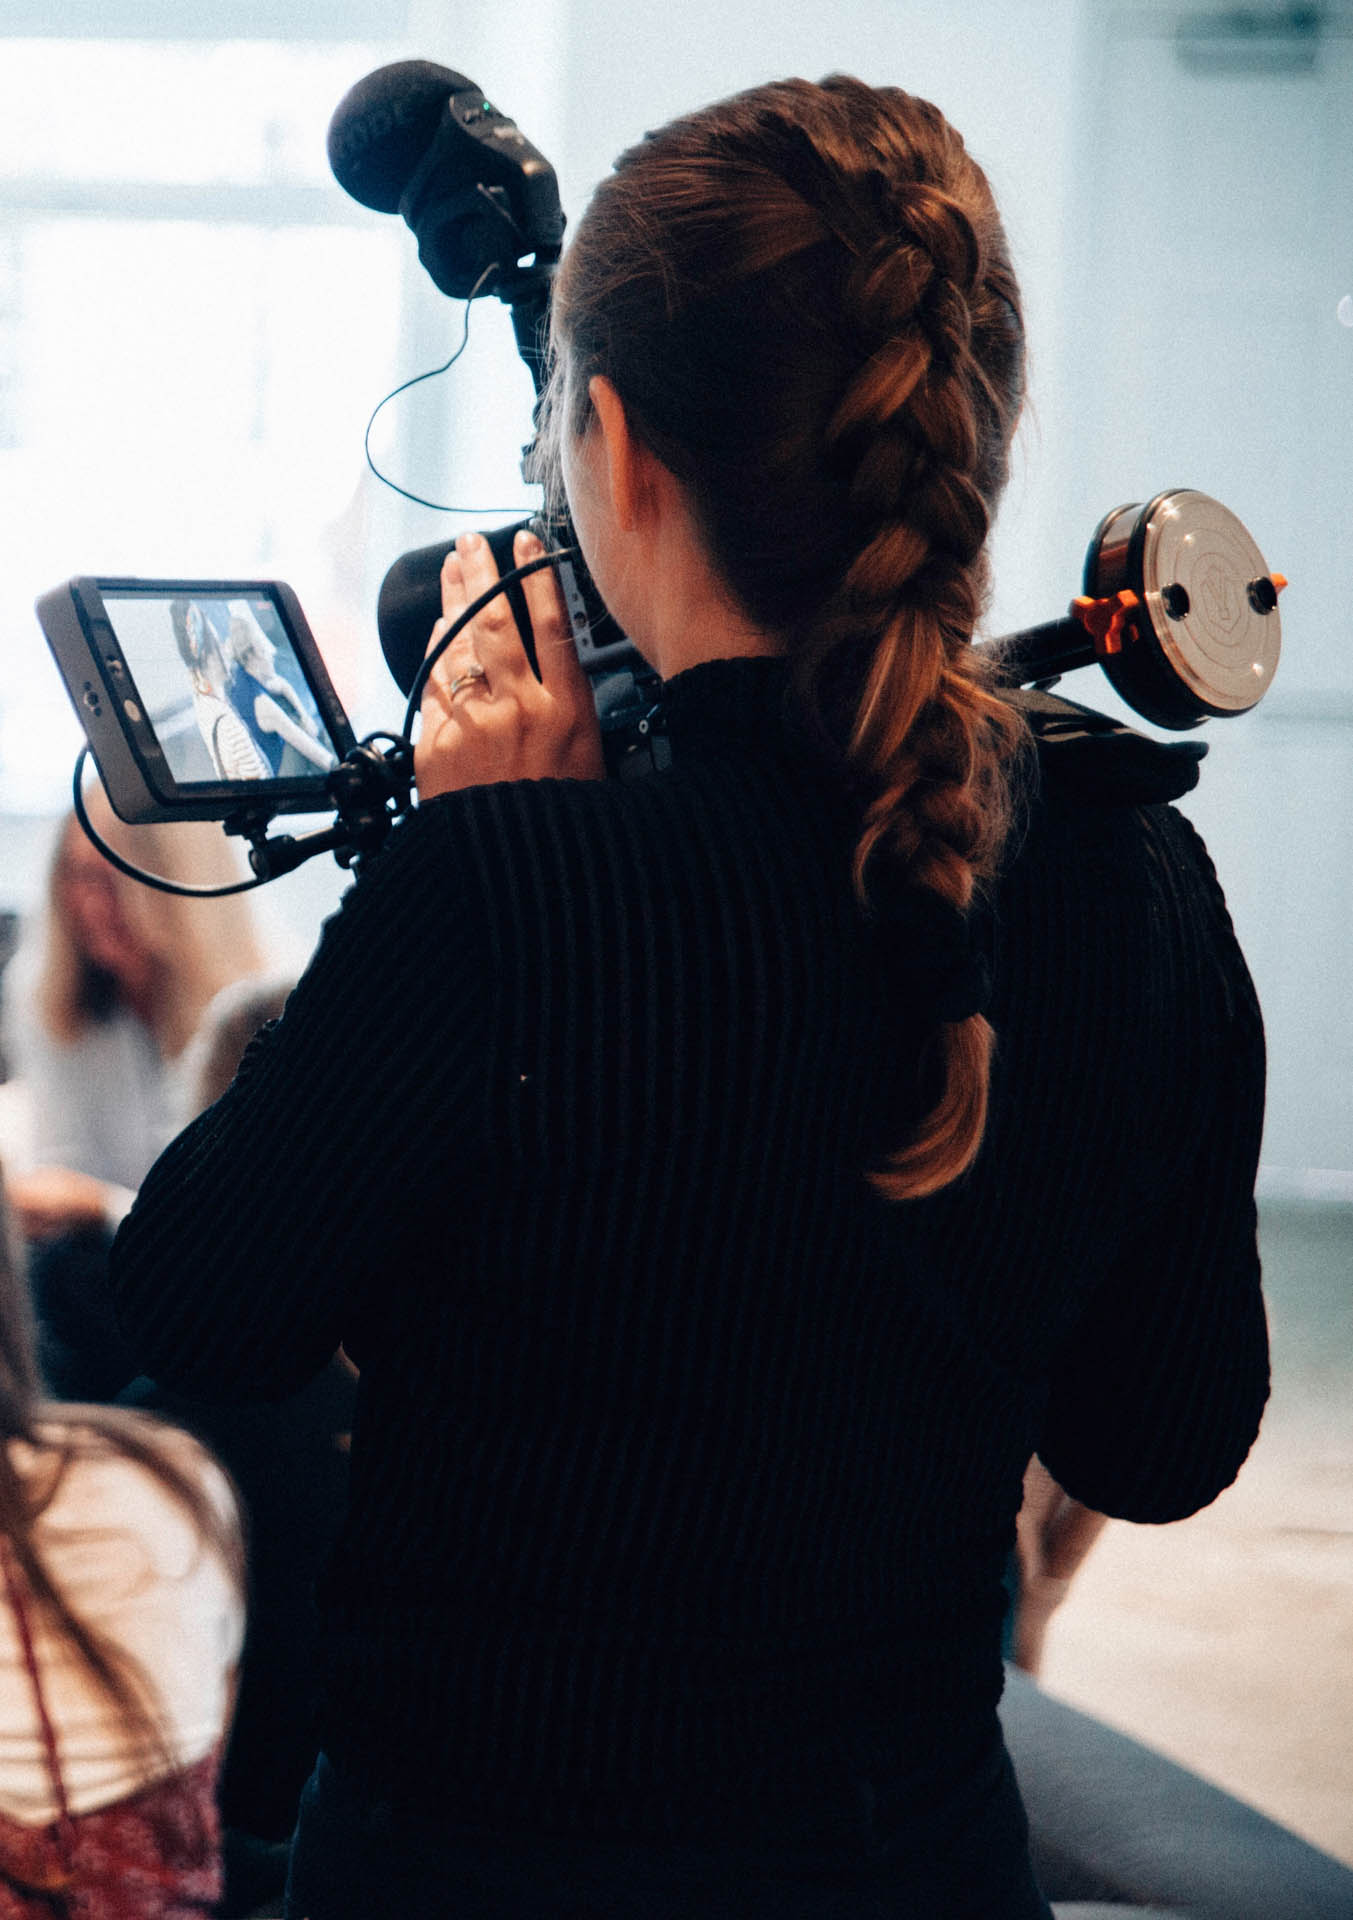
220	684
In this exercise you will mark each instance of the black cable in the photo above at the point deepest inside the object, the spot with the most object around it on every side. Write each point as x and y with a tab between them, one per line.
432	373
154	880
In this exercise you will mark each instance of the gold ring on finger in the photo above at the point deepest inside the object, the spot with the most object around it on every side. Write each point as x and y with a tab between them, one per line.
465	679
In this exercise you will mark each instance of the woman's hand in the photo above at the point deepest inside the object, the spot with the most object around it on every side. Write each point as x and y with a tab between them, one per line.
54	1200
485	716
1053	1534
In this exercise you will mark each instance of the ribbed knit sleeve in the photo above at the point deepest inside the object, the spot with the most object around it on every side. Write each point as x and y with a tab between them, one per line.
1157	1392
1106	1236
258	1235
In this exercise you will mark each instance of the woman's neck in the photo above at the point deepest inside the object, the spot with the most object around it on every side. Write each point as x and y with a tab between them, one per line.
680	612
699	627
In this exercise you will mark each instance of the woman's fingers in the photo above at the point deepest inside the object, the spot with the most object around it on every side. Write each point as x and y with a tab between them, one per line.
486	715
453	602
496	642
561	671
453	589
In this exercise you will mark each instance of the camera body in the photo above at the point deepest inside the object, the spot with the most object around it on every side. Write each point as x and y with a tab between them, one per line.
199	698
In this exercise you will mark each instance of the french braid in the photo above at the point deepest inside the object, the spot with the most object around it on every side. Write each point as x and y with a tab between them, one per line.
803	297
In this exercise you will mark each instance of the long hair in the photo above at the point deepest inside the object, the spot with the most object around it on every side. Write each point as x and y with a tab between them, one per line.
25	1496
195	947
804	299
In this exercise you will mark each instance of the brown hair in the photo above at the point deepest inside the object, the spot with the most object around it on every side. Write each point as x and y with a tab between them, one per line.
25	1496
804	299
196	946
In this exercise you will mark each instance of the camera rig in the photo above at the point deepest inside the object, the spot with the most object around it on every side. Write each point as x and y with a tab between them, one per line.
1178	606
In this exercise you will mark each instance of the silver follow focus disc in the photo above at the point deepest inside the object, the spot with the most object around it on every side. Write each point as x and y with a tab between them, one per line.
1206	636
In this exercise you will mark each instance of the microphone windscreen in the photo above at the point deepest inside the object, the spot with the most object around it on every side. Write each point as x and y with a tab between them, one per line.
383	126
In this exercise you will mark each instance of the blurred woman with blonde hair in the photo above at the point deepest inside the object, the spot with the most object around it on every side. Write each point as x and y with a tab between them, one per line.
100	1002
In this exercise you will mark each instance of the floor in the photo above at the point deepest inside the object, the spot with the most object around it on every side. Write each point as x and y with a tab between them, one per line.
1226	1641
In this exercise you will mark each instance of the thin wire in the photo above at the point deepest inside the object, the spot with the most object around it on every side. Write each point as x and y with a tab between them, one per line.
160	884
463	620
438	506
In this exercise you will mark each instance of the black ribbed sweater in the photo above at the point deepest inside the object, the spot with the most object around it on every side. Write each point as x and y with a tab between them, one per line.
682	1459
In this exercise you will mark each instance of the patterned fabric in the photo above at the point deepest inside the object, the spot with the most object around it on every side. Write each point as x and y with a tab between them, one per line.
155	1856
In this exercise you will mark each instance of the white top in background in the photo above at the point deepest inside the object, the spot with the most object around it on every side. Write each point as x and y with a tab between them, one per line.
128	1561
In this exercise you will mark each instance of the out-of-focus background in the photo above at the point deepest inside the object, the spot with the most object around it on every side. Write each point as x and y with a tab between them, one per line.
195	324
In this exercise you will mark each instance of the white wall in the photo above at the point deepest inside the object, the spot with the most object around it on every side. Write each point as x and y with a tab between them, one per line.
1212	215
1003	73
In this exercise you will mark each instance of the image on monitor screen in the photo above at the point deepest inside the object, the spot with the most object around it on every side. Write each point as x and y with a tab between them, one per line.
219	682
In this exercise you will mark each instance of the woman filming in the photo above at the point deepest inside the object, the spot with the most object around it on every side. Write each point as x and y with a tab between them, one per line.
685	1468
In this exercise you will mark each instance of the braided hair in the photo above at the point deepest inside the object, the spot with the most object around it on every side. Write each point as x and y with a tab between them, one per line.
804	299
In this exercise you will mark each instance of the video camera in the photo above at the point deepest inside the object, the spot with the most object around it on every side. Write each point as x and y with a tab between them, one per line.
209	699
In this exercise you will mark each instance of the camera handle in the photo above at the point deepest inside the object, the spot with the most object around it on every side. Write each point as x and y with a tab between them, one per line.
372	787
1044	653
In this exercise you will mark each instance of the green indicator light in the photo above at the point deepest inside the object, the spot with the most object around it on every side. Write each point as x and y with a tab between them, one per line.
488	106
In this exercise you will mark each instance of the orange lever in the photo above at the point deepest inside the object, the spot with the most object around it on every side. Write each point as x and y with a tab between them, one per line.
1104	620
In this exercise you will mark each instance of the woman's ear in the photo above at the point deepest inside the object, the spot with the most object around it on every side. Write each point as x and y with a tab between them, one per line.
627	459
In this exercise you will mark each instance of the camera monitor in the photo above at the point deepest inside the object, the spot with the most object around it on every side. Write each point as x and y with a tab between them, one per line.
198	697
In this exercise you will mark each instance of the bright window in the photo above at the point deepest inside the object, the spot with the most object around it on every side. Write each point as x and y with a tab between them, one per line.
194	326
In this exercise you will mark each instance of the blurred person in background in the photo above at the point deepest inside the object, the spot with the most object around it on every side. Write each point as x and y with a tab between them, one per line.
99	1002
121	1616
288	1461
